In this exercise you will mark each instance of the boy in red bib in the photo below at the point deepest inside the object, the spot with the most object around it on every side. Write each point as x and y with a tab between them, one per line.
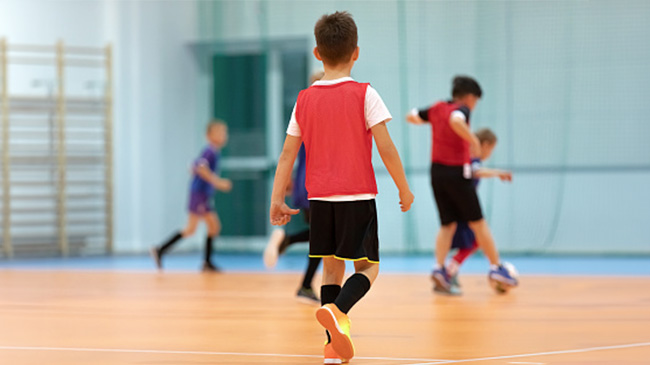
336	119
451	179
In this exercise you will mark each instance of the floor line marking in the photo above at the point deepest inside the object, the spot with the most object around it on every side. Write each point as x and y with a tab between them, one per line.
588	349
180	352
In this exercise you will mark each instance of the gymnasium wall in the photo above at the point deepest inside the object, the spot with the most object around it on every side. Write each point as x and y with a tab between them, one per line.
564	90
156	113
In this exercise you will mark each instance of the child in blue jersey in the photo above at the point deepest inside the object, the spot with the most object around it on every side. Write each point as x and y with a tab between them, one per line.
205	182
464	240
280	241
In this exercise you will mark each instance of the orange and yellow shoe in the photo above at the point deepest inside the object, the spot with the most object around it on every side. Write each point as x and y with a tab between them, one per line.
331	357
338	325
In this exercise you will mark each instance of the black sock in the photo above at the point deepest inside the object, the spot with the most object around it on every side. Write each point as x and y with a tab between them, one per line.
208	249
328	294
299	237
173	239
354	289
311	271
294	238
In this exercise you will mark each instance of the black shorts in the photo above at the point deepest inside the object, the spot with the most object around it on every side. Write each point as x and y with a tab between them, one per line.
344	230
455	195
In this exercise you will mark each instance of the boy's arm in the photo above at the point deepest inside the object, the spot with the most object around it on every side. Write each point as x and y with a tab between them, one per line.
280	213
220	184
484	173
461	128
390	157
415	117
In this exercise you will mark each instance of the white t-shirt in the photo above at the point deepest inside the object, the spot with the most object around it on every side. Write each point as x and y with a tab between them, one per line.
375	112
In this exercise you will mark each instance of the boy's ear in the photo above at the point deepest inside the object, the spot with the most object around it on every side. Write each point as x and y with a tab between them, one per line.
317	54
355	54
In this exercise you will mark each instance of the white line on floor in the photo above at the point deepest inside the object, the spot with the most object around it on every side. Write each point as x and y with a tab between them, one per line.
642	344
79	349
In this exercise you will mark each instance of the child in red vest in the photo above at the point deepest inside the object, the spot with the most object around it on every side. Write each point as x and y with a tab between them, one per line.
451	178
336	119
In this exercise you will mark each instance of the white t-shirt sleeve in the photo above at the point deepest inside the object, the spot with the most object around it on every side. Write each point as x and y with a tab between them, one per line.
457	114
294	128
375	109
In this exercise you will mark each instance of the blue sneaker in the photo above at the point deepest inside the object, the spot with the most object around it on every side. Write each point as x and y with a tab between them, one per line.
453	290
442	281
501	279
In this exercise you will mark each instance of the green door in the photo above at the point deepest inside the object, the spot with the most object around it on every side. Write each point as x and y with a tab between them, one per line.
240	100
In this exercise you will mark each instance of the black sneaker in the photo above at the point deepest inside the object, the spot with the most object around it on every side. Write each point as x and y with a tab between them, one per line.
209	267
307	296
155	255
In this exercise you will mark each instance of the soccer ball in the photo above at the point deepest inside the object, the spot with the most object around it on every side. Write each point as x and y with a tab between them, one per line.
501	288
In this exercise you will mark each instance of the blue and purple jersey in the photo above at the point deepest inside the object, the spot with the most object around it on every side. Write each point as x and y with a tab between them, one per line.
209	158
299	192
464	236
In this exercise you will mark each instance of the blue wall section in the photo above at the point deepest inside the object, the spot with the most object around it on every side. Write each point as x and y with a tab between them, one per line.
564	90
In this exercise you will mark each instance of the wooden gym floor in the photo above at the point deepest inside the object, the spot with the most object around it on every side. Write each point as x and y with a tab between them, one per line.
76	317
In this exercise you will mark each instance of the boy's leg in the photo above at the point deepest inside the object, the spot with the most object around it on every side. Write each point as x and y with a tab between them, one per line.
280	241
453	265
465	243
307	279
485	240
314	262
214	228
278	244
443	242
336	322
357	285
190	228
333	316
302	236
333	271
329	290
306	292
440	277
464	253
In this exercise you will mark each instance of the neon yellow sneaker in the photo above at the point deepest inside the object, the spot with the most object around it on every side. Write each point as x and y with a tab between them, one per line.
338	325
331	357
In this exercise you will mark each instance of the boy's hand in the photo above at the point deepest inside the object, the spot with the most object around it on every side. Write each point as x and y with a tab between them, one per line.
224	185
505	175
413	119
405	200
281	214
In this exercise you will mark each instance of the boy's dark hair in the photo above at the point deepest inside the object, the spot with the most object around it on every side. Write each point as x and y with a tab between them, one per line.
464	85
485	135
213	124
336	37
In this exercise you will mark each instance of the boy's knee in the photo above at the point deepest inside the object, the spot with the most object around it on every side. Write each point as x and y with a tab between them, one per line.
478	223
367	268
214	232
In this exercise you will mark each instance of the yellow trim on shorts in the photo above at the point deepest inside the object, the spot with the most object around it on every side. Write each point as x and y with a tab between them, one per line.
343	258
